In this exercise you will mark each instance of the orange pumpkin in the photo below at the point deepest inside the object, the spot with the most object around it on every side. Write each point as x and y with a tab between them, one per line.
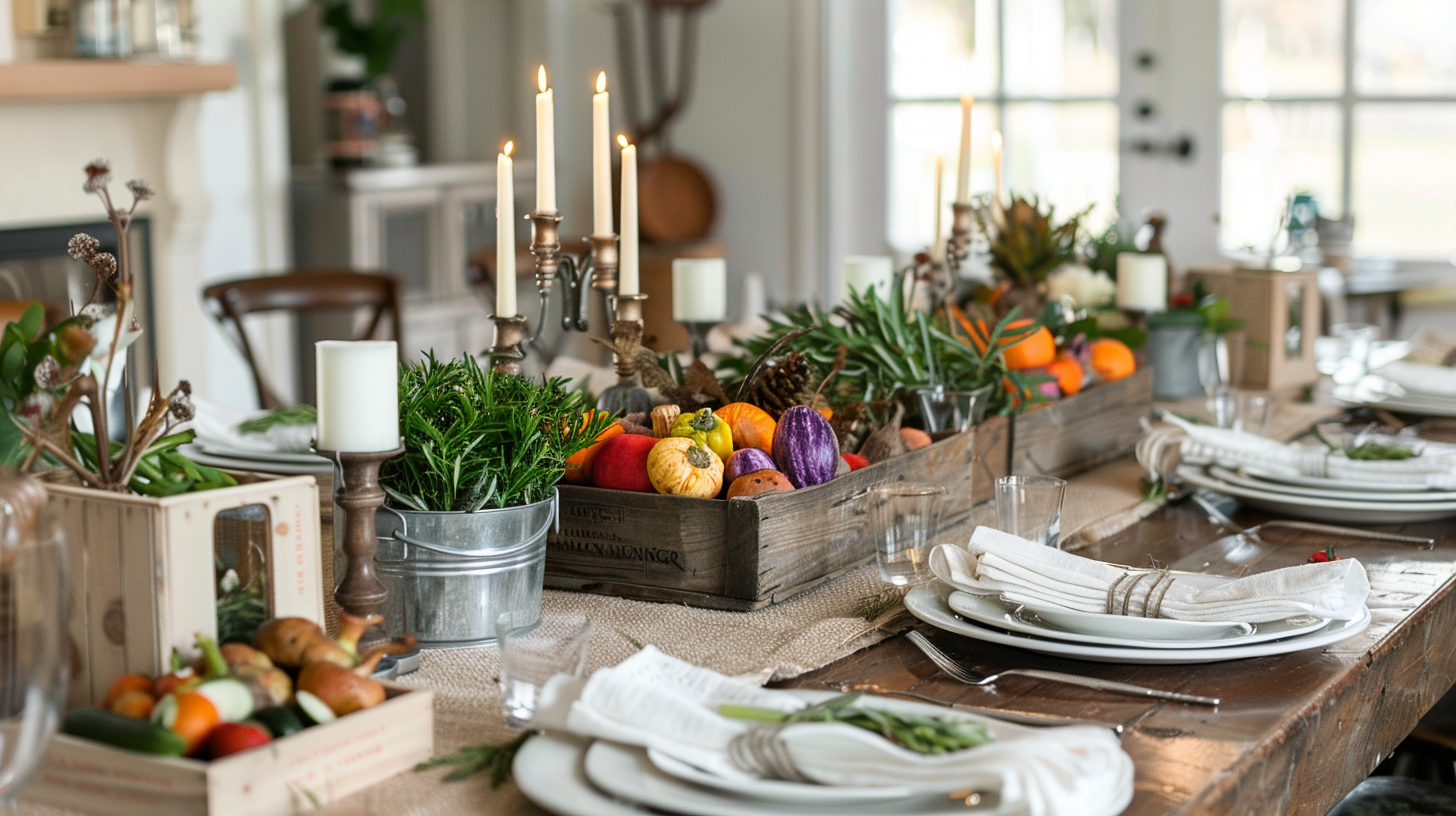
1112	359
752	426
579	466
759	481
915	439
1068	373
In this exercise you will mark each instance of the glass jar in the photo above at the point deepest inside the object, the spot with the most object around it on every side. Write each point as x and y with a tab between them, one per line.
103	28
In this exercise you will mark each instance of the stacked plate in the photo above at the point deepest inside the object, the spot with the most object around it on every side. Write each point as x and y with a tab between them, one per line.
574	776
1323	499
256	461
1119	638
1405	387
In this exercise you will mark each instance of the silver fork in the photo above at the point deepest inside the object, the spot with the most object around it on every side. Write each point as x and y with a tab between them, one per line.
1218	517
948	665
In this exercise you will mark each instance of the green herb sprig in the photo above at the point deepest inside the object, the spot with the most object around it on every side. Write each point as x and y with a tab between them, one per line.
923	735
1370	450
283	417
475	439
476	758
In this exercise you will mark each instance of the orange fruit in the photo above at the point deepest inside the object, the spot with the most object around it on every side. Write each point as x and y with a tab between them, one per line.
1068	373
1112	359
579	466
1036	351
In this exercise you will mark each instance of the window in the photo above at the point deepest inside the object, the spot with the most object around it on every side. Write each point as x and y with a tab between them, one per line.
1044	72
1351	100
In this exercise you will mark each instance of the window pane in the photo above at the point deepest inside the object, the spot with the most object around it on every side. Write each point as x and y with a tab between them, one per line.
942	48
1283	47
1066	153
1061	47
1404	46
920	132
1270	151
1405	180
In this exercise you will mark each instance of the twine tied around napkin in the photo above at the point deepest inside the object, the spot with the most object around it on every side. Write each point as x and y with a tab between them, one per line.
1128	584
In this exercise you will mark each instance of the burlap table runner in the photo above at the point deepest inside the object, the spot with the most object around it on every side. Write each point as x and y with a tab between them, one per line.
804	633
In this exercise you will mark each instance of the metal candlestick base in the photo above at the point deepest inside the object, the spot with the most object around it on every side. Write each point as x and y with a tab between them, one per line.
596	267
508	349
627	396
698	336
958	248
357	491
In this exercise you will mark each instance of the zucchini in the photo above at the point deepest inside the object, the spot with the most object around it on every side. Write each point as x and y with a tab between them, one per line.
313	710
279	721
123	732
232	698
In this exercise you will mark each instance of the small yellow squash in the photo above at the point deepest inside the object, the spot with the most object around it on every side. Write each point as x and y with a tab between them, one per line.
678	466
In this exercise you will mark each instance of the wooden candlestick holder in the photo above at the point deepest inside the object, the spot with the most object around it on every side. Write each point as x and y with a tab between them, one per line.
508	348
357	491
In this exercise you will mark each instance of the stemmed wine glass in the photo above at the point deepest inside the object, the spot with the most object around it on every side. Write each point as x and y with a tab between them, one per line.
34	671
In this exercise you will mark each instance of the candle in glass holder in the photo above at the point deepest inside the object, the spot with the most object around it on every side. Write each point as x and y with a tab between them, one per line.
699	290
1142	282
358	395
505	234
627	257
861	273
545	146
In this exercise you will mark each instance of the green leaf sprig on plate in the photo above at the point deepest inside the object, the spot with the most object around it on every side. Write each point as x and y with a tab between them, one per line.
921	734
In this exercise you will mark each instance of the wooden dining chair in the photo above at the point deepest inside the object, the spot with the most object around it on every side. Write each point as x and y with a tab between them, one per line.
302	291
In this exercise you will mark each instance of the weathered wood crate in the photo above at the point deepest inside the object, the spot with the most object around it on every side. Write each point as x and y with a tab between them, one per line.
142	570
747	553
1082	432
295	774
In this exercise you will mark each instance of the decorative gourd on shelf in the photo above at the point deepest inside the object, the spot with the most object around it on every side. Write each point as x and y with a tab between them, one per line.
752	426
744	461
705	428
759	482
804	447
663	418
679	466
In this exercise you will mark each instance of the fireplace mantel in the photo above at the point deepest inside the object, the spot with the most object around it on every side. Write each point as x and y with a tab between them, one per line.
100	80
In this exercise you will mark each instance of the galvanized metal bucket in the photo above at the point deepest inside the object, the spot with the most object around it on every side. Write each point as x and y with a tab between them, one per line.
450	575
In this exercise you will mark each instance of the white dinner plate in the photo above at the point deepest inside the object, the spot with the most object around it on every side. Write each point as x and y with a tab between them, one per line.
992	612
925	603
1408	403
1328	488
228	452
253	465
773	790
1371	511
549	770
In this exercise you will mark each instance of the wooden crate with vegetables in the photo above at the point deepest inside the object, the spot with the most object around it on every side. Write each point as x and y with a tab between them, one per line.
286	724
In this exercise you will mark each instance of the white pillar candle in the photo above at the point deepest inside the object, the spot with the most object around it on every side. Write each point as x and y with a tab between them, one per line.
358	395
699	290
1142	282
996	152
935	245
963	178
545	146
755	301
627	262
505	234
601	160
861	273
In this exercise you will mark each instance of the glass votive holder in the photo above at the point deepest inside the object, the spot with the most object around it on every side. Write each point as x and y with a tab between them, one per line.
945	410
534	651
1030	507
903	522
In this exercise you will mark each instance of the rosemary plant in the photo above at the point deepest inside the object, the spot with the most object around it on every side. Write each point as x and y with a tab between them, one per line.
477	440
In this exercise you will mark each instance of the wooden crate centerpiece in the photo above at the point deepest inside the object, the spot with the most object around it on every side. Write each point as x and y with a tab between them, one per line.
143	570
294	774
1078	433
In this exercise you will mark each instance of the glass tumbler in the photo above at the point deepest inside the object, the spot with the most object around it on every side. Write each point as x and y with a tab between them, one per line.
1030	507
945	410
1256	412
534	651
34	601
903	522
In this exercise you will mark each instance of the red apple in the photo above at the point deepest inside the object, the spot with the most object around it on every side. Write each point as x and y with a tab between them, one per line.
231	738
621	464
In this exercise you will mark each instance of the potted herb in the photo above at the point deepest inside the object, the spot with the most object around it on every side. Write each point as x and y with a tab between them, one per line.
1188	346
462	535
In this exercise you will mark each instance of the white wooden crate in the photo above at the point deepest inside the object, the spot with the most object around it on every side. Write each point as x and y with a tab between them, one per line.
142	570
295	774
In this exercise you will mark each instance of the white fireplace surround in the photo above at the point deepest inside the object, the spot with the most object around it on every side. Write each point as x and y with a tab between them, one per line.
220	165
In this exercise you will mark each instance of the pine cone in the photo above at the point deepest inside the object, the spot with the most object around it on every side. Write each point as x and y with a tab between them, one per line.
781	386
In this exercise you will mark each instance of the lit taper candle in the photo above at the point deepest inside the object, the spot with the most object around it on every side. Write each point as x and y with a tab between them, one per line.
627	256
601	160
545	146
358	395
936	249
505	234
963	176
997	149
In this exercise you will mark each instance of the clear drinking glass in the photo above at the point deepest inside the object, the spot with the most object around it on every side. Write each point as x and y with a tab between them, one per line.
1225	406
948	410
903	521
1030	507
1256	412
34	669
532	652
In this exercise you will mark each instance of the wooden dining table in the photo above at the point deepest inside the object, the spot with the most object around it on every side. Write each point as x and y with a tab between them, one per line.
1293	734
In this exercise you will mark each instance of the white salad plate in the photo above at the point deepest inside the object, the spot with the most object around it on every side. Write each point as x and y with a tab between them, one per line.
319	465
992	612
926	603
1374	510
1346	490
1410	402
229	452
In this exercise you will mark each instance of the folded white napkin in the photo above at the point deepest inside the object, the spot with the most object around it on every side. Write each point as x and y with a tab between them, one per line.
1024	572
1421	379
659	702
1204	445
216	424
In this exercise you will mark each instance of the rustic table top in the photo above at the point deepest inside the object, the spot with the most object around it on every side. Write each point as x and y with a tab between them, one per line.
1294	733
